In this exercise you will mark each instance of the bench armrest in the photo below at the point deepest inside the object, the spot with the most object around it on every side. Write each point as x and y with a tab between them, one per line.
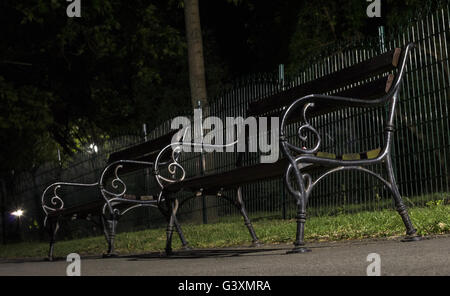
173	165
326	104
55	202
310	101
117	184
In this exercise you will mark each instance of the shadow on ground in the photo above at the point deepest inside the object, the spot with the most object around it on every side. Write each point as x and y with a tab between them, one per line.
180	254
199	253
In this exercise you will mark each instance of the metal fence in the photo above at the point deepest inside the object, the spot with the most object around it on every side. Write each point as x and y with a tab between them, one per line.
421	144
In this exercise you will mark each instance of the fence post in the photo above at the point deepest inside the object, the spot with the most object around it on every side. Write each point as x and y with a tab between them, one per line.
146	177
202	159
381	38
282	87
283	200
281	77
147	170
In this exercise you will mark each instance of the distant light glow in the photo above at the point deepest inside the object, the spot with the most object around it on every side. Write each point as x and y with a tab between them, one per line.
17	213
93	148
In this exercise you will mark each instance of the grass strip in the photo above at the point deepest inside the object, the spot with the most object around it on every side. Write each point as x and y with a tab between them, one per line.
433	219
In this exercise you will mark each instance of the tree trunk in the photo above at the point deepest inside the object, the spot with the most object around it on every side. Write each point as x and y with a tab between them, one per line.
195	54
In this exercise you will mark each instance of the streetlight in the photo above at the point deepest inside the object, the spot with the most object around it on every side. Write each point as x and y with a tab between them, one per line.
93	148
17	213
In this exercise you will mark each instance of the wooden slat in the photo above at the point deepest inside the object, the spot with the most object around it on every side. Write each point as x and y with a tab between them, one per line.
93	207
147	151
368	91
371	90
143	151
129	167
232	178
90	207
355	73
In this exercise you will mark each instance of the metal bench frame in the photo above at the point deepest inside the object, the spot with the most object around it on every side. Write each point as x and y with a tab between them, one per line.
175	149
111	205
302	155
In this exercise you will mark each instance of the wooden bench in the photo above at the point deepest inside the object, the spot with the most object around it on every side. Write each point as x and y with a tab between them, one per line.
371	83
114	200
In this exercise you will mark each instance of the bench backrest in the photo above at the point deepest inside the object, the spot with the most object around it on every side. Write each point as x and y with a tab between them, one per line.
371	79
339	83
146	151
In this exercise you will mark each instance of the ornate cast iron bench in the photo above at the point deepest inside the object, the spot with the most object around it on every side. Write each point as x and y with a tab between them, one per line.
296	165
366	85
113	201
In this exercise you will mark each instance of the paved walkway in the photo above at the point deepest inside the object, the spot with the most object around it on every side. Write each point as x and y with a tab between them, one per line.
430	256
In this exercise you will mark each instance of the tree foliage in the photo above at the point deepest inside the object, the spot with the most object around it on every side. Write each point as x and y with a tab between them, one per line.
66	81
69	78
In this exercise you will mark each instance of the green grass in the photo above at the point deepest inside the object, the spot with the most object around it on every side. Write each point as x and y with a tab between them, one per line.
433	219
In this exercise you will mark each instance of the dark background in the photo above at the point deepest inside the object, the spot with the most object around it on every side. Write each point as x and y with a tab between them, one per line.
65	82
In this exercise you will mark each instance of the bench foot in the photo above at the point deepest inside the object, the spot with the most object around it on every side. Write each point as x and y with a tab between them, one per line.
412	238
50	257
110	255
299	250
186	248
184	243
109	229
52	229
240	205
256	244
172	207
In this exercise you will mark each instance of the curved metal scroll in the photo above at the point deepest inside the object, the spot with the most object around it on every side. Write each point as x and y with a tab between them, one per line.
306	126
55	202
173	164
119	185
310	184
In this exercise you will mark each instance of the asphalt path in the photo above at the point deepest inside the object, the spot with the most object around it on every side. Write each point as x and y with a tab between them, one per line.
430	256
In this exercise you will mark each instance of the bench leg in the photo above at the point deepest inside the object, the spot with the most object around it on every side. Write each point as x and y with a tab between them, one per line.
172	211
184	243
302	200
109	228
411	232
52	229
248	223
239	204
299	244
169	229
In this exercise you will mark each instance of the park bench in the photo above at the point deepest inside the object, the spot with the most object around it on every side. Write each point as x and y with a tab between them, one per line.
113	199
371	83
368	84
